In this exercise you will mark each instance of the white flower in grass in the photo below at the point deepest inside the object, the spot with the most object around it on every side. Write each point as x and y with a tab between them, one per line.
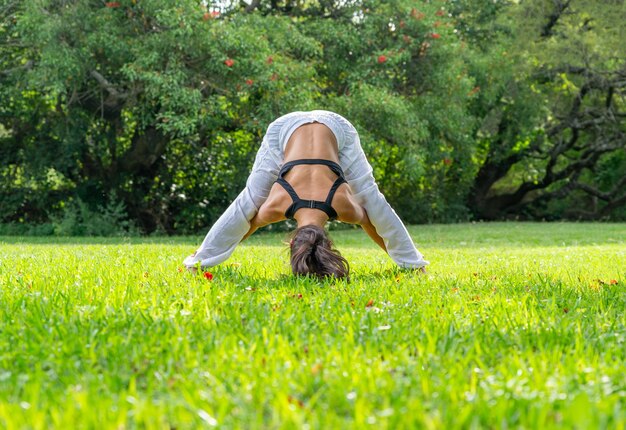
207	418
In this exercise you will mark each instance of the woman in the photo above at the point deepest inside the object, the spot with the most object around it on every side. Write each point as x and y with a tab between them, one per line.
310	168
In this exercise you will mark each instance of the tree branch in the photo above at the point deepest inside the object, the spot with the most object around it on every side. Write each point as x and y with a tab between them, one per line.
553	19
252	6
205	83
26	66
605	196
107	85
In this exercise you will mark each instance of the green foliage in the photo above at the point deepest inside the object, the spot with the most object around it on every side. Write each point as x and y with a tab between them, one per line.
23	229
77	219
516	326
164	105
397	73
465	108
552	110
128	93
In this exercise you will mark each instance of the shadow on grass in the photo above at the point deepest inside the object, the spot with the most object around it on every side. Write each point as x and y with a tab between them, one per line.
258	279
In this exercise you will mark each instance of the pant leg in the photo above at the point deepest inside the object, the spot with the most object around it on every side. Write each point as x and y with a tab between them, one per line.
388	225
230	228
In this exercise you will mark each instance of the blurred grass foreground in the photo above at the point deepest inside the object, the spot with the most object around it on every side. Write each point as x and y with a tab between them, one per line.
515	326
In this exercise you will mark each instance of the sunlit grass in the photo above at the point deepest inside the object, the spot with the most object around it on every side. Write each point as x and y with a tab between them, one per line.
515	326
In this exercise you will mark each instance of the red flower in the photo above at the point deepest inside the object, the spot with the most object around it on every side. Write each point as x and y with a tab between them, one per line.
447	161
382	59
212	14
417	14
270	59
249	81
316	368
112	4
474	91
229	62
208	276
296	401
440	13
435	35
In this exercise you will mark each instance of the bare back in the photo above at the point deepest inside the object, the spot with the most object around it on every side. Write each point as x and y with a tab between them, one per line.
313	140
311	182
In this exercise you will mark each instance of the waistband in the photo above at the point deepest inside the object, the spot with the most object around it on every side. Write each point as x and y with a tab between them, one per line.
335	122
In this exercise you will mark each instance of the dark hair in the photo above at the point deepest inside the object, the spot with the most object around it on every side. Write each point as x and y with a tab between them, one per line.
312	253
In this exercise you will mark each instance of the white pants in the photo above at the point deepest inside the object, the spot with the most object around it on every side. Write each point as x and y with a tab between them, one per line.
227	232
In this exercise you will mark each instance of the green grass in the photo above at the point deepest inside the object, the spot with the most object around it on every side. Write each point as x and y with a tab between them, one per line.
515	326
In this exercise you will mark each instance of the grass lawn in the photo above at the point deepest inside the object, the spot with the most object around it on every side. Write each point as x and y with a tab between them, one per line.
515	326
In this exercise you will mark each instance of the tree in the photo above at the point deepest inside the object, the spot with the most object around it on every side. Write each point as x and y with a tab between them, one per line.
496	109
552	140
161	106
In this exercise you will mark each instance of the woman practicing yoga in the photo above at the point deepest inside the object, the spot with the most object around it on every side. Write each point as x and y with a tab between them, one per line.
310	168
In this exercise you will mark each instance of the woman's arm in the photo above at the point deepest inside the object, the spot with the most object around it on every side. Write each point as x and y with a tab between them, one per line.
369	228
252	229
353	213
383	223
383	220
265	216
235	224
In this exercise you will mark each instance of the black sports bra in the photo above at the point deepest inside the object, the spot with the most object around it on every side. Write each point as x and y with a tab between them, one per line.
299	203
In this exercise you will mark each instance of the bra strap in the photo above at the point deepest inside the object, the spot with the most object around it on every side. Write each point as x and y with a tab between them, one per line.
329	199
287	186
297	202
311	204
336	168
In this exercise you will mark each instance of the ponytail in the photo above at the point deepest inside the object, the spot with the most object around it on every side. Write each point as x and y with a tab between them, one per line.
312	253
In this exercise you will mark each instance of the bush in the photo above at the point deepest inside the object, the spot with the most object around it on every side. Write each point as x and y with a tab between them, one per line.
24	229
78	219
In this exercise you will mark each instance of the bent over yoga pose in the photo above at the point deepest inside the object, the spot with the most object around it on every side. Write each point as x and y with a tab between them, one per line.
310	168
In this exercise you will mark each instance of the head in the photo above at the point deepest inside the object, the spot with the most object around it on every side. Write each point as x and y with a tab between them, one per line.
312	253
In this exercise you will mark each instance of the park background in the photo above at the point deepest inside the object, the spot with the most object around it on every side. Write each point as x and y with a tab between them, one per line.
140	119
144	116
